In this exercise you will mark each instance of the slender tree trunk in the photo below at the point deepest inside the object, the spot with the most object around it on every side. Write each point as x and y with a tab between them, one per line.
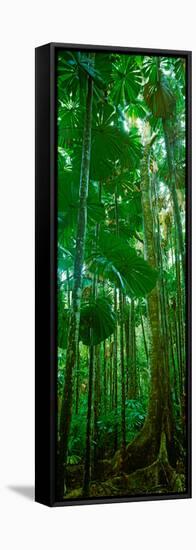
179	320
97	391
115	367
127	325
97	404
176	381
73	335
144	336
123	418
111	377
68	291
133	382
77	378
94	366
172	322
87	463
115	362
104	367
104	379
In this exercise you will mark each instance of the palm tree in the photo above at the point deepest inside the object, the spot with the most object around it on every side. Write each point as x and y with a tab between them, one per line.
73	335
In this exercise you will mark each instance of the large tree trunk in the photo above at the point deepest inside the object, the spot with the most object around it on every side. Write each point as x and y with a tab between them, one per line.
145	448
73	336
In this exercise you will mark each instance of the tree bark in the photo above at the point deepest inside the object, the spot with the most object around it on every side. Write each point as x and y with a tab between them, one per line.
97	404
123	419
144	449
87	462
73	335
115	368
144	337
133	382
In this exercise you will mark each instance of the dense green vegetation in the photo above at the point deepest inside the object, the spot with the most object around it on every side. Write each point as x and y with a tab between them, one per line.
121	269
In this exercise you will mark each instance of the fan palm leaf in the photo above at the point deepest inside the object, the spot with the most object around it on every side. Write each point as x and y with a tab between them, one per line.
120	263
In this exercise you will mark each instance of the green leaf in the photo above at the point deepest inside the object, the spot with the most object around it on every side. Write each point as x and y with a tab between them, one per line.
65	259
73	68
159	98
68	199
126	80
73	459
97	321
119	263
111	145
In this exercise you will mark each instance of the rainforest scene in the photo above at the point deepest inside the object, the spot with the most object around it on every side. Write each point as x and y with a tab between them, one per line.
121	257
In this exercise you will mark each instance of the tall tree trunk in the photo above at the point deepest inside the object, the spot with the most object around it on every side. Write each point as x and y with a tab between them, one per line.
97	404
144	336
123	418
87	462
127	326
73	335
115	368
115	361
111	375
68	291
94	366
77	378
104	378
133	382
179	320
144	449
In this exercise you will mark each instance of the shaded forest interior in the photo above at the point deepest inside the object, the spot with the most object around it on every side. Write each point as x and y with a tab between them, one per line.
121	275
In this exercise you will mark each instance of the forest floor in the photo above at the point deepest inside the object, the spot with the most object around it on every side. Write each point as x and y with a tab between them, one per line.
158	478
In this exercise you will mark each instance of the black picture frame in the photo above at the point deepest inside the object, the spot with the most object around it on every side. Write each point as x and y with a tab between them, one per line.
46	264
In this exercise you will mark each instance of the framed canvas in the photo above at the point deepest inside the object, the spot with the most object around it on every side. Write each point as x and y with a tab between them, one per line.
113	274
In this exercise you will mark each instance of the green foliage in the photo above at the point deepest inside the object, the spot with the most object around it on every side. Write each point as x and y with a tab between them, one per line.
111	145
126	79
97	321
120	263
73	69
73	459
65	259
158	93
135	416
68	201
159	99
133	96
107	424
